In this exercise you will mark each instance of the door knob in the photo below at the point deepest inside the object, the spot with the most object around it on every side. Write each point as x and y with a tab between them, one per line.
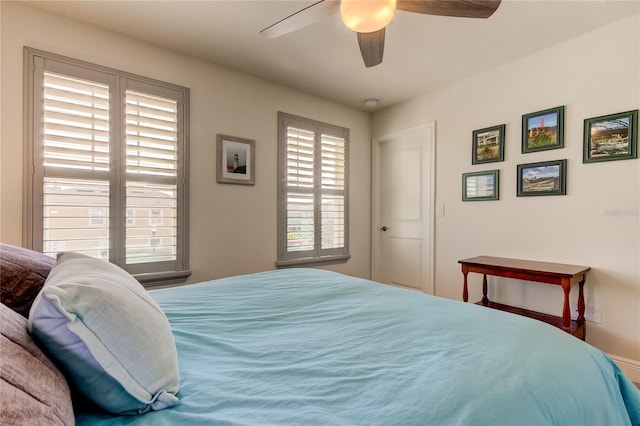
384	229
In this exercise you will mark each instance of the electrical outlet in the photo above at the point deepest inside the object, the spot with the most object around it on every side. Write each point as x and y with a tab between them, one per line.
592	313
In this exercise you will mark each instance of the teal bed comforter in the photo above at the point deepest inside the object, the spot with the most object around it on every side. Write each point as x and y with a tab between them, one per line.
313	347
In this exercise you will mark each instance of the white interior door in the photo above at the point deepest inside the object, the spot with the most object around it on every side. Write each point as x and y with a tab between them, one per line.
403	200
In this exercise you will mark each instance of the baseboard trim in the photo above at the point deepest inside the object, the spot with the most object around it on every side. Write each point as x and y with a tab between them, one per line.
630	367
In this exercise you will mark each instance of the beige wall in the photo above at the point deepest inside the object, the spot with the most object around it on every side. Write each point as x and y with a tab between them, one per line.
233	227
596	223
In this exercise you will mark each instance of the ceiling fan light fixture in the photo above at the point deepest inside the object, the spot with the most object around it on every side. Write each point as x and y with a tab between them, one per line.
367	16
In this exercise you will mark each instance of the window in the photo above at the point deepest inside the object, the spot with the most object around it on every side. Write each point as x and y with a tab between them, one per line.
107	164
313	214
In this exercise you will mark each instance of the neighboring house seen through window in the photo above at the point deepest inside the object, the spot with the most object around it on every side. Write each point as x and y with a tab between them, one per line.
107	160
313	201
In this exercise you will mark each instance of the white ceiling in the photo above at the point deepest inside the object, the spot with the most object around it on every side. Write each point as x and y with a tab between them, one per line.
422	52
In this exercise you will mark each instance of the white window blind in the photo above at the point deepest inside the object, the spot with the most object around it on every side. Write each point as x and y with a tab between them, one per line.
76	166
152	166
333	191
108	163
312	212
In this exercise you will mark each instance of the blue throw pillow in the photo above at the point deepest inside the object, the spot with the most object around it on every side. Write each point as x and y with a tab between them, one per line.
112	338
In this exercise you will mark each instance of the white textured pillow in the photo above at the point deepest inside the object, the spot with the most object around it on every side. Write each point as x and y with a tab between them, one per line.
113	339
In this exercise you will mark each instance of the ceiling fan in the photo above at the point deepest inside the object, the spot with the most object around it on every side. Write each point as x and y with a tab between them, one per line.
368	18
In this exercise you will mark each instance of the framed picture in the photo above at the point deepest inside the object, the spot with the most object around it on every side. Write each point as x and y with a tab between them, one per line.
545	178
481	186
235	160
543	130
611	137
488	145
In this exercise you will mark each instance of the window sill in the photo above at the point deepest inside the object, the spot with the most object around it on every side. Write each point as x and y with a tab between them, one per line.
152	279
312	260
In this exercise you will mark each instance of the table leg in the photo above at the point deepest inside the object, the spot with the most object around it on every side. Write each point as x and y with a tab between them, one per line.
465	291
566	311
581	305
485	299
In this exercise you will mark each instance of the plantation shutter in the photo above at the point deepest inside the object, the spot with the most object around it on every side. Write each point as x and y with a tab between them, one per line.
300	198
152	165
332	191
313	191
76	166
108	166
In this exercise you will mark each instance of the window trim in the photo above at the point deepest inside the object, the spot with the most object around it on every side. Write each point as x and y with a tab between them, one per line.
285	258
121	81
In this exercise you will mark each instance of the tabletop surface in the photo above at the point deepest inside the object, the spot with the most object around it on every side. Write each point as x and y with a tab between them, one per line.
526	265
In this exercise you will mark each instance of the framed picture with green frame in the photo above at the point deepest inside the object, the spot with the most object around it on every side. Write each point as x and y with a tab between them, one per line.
611	137
488	145
543	130
481	186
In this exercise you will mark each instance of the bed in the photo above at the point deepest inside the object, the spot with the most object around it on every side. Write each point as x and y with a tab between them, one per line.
309	346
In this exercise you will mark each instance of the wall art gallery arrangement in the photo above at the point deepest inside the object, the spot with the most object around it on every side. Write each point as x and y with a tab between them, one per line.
606	138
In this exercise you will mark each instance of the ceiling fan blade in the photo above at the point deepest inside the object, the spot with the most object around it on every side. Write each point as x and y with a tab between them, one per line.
302	18
457	8
371	47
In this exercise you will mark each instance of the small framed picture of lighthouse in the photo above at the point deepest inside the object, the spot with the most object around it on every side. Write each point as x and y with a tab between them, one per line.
235	160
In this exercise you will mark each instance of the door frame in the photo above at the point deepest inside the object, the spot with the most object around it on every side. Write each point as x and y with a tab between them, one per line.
429	131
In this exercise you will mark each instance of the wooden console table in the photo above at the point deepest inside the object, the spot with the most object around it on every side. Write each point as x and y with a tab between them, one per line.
544	272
